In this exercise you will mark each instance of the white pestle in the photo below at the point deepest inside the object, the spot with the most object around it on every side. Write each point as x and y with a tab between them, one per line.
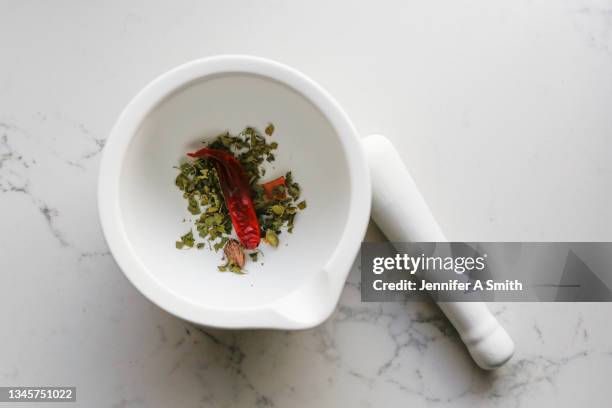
401	213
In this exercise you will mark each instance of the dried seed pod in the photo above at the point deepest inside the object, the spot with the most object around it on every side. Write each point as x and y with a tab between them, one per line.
234	253
271	238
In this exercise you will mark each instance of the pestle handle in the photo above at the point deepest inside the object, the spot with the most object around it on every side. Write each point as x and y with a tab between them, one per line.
402	214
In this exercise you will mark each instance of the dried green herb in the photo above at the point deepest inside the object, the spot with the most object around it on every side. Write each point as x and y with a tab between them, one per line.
270	129
186	241
277	209
274	202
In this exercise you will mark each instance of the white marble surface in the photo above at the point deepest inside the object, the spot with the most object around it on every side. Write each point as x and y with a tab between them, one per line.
500	109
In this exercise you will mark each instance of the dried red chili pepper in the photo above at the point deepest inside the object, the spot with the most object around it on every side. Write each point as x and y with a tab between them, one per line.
237	193
270	186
